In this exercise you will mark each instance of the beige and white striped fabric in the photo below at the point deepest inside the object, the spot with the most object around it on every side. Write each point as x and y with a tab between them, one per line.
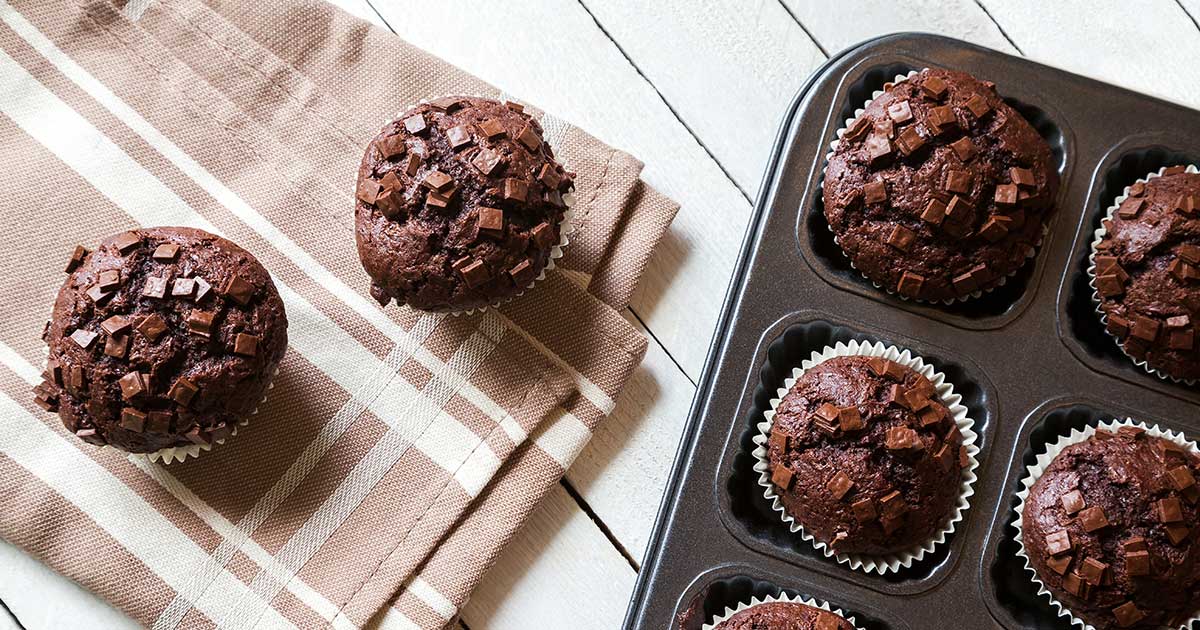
398	451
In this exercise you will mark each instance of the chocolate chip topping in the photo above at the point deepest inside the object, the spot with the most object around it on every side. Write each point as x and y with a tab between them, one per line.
771	615
161	354
866	470
1148	274
1110	528
971	181
478	182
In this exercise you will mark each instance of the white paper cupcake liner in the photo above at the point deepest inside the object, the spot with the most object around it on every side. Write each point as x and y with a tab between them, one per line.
1098	236
1034	472
553	129
173	454
783	597
1031	252
892	562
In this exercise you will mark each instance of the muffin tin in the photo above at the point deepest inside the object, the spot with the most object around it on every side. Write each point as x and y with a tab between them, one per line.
1031	359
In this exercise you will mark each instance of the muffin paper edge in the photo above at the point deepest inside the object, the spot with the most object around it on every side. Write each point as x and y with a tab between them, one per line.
888	563
1035	471
783	597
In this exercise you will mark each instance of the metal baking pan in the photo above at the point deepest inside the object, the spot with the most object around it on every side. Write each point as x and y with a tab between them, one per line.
1031	358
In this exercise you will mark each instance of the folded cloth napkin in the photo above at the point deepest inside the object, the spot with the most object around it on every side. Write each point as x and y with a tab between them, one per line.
398	451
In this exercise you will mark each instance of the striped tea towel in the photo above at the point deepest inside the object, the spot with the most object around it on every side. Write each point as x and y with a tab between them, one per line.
398	451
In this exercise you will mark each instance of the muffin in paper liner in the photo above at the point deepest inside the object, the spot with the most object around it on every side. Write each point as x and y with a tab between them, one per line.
888	563
173	454
1031	253
1034	472
553	128
1097	237
782	597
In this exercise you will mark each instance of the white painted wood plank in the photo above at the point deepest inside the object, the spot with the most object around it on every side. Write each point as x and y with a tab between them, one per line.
728	69
44	600
623	470
838	25
1145	46
554	55
559	572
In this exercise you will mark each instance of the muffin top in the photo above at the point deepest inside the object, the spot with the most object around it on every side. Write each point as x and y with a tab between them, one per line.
458	204
1111	529
1148	273
940	188
866	456
161	337
783	616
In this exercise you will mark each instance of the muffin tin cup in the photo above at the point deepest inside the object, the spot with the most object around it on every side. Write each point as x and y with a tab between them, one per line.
1098	236
1034	472
1029	254
893	562
552	126
182	453
783	597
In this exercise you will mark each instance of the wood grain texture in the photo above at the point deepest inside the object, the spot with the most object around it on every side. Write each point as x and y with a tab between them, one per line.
838	25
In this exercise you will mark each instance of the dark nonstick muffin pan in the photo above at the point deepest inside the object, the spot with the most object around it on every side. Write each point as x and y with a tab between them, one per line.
1031	359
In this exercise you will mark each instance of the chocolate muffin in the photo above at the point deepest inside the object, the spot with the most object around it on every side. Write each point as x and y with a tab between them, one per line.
1147	273
865	455
1111	530
459	204
162	337
783	616
939	189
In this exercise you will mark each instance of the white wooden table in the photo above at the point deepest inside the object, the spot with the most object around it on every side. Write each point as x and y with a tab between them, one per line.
695	89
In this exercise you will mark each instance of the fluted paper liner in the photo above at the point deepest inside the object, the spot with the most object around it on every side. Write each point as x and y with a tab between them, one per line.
783	597
1034	472
1032	251
892	562
1098	236
553	128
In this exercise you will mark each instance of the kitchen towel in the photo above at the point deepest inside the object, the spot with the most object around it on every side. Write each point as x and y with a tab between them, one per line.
398	451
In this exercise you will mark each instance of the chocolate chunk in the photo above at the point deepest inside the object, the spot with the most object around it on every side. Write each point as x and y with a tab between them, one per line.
548	175
1131	207
392	147
910	141
931	415
459	136
542	235
126	241
77	257
1073	502
1189	253
1075	585
152	327
448	104
1137	543
529	138
1128	614
910	284
84	338
475	274
197	435
1092	571
849	419
878	365
238	289
53	372
994	229
857	129
1177	533
116	346
934	87
916	400
875	191
1137	563
1021	176
965	284
1059	565
368	191
957	181
165	252
516	107
491	128
1093	519
439	200
1144	328
487	161
1169	510
964	148
521	273
900	112
245	345
416	124
878	148
132	384
183	391
934	212
491	221
781	476
1174	170
132	420
1109	285
390	202
411	164
864	510
827	621
202	289
183	287
941	118
115	325
1181	478
839	485
77	379
155	287
978	105
1006	195
515	189
109	280
437	180
1058	543
200	323
158	422
892	504
902	439
1181	339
